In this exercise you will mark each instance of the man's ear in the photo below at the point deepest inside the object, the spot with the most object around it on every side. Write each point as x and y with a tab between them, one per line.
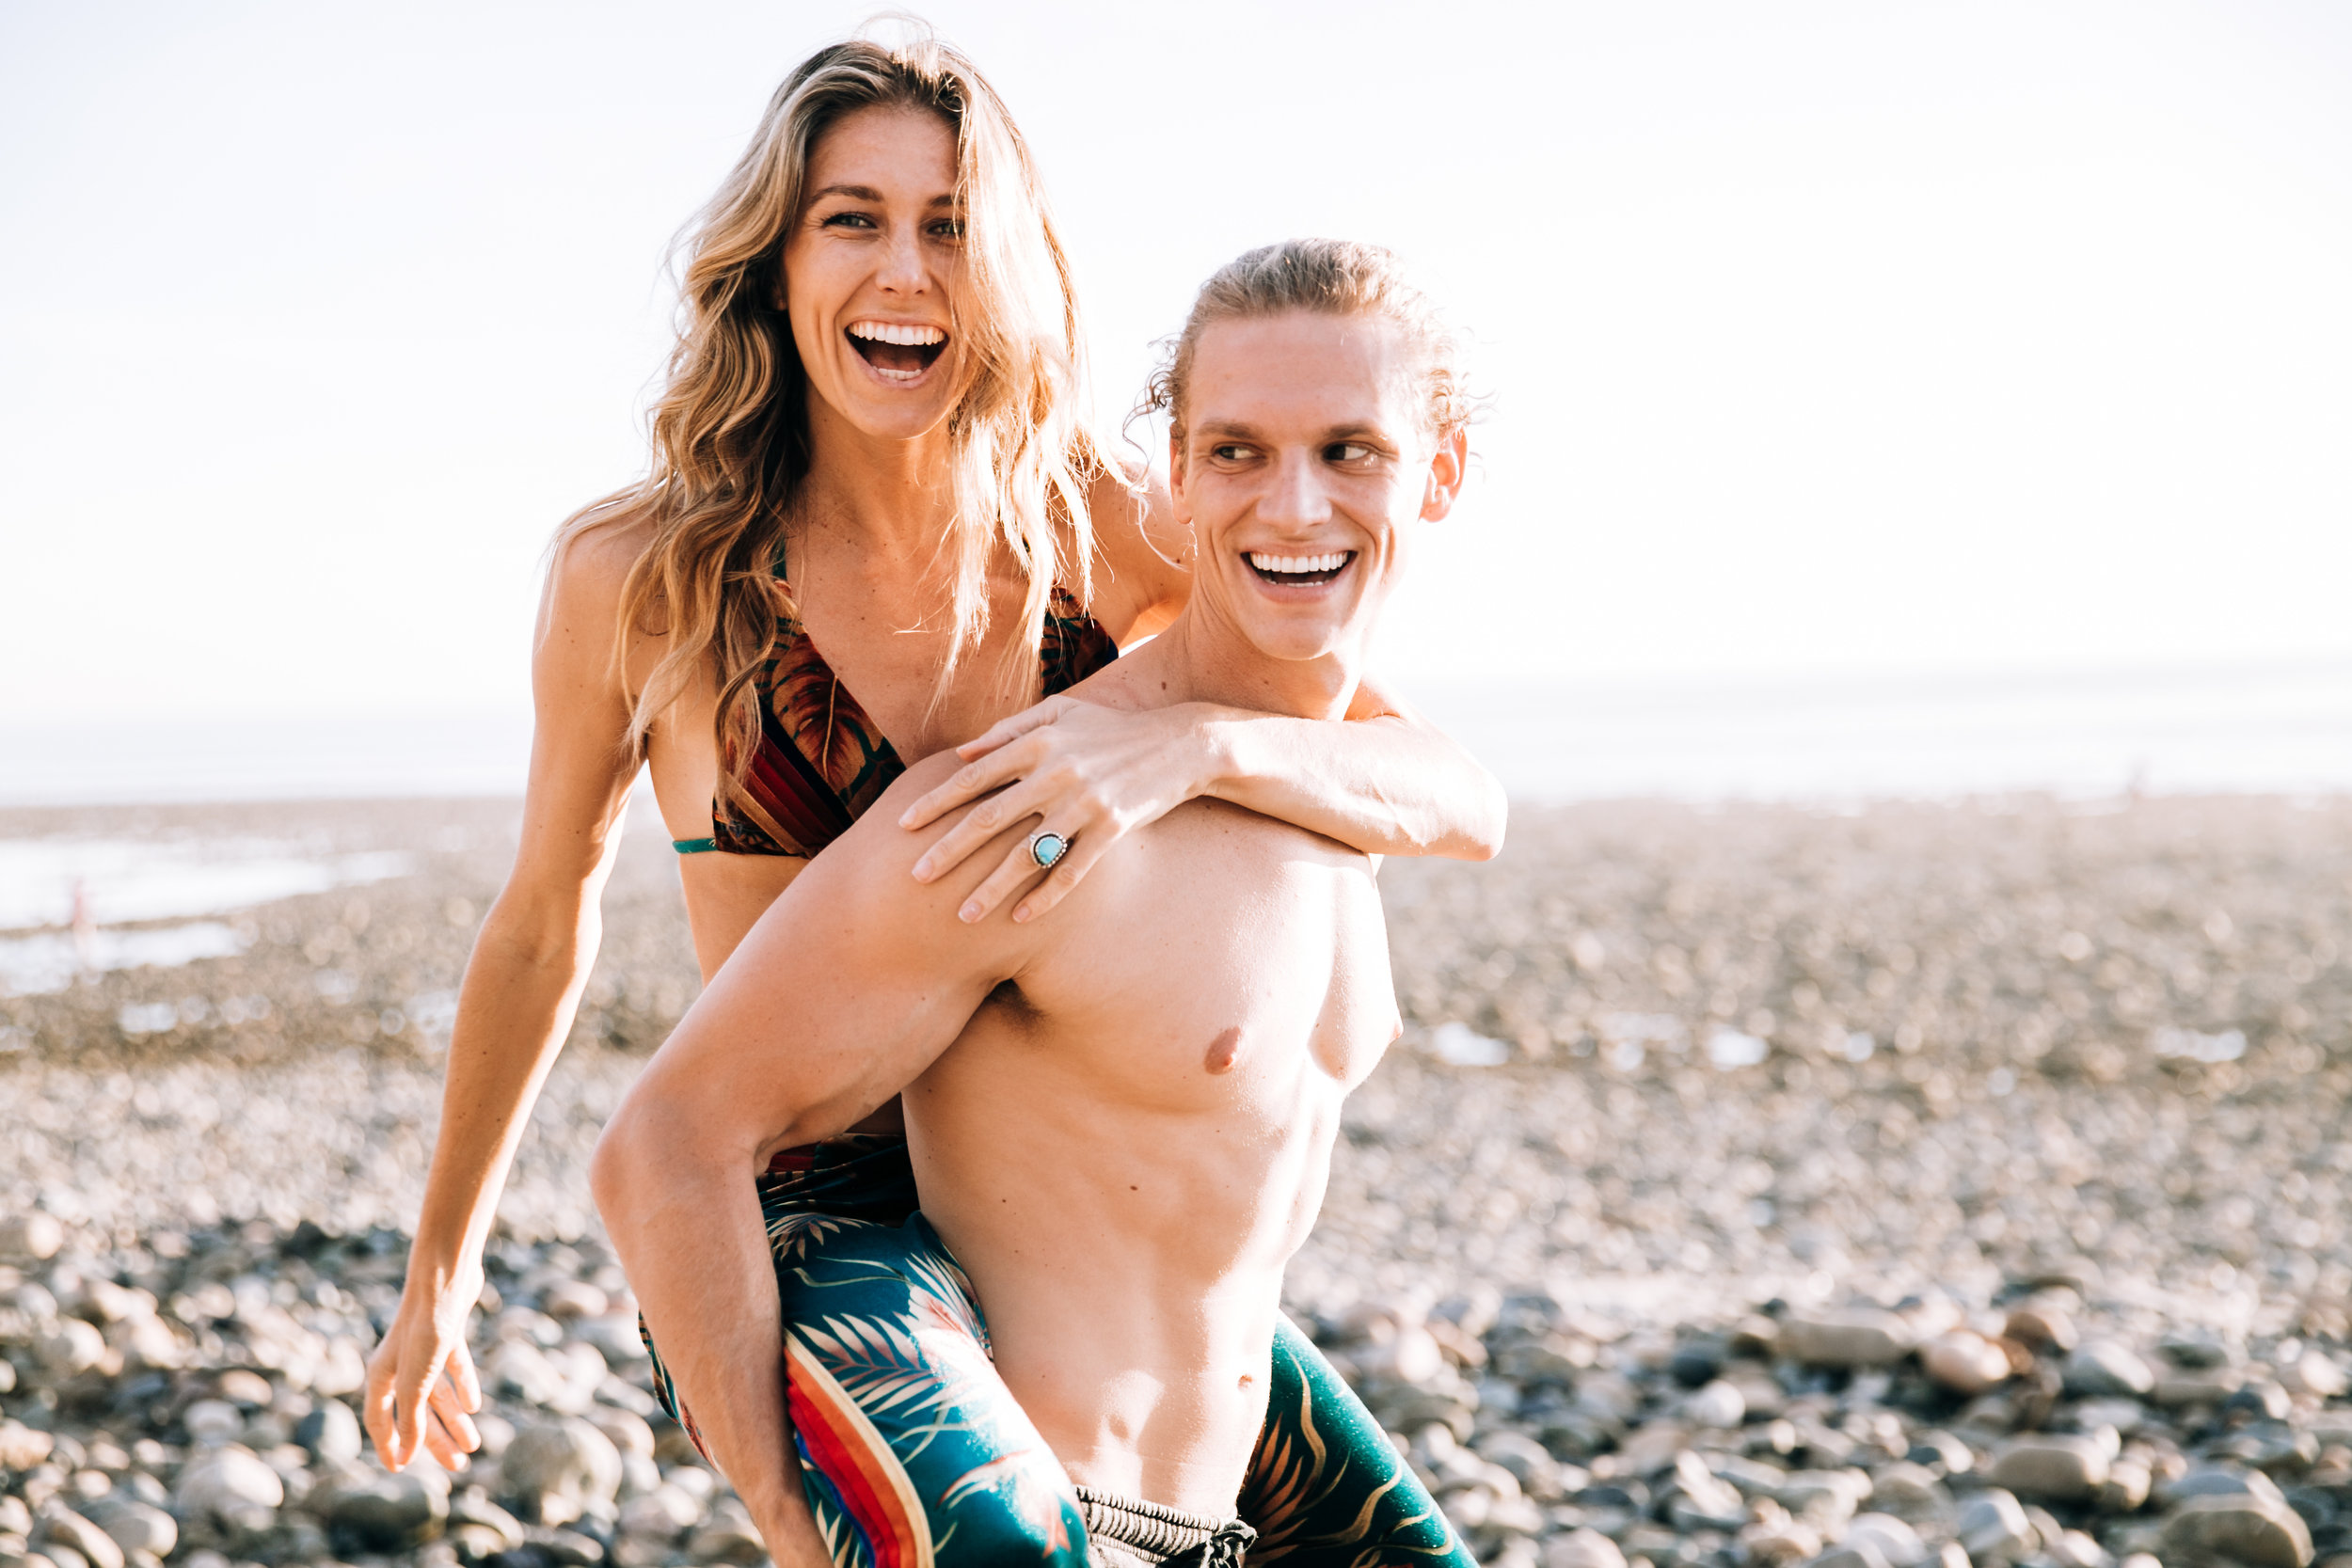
1448	466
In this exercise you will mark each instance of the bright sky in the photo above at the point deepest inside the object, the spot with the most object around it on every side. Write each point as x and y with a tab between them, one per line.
1874	336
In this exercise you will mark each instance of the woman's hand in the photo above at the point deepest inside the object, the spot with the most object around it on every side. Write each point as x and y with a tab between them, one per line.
425	1349
1088	774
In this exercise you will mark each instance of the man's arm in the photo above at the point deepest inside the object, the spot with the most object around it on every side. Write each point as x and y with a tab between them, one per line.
852	983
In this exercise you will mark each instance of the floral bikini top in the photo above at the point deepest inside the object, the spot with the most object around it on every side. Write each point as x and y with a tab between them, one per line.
820	761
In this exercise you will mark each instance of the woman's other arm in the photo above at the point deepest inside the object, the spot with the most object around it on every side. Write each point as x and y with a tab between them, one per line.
521	987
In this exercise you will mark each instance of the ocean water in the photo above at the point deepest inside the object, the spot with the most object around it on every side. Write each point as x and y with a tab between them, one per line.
75	903
2267	729
2255	729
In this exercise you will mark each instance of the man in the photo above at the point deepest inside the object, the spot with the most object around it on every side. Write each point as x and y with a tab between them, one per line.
1122	1120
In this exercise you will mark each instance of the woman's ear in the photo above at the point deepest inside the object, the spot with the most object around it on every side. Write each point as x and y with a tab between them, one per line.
1448	466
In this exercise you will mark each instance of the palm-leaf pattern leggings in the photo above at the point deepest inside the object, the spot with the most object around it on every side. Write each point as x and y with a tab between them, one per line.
914	1453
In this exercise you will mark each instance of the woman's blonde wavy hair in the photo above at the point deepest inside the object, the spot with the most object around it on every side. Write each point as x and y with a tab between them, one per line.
729	428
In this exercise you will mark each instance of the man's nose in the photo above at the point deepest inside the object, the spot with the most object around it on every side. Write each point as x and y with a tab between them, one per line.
1295	496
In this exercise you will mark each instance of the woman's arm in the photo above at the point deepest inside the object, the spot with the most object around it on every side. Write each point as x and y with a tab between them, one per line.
1142	568
1386	782
521	987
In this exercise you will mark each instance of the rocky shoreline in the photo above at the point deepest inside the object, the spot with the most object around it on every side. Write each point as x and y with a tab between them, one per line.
1753	1187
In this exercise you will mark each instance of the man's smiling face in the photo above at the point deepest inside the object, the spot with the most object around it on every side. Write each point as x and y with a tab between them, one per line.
1305	461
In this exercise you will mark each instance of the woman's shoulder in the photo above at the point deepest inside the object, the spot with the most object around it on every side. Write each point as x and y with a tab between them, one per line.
596	551
1140	551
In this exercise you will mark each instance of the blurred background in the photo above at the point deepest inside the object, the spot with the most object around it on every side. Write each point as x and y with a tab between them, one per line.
1889	1098
1902	397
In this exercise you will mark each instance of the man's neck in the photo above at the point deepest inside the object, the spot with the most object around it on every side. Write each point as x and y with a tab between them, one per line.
1196	660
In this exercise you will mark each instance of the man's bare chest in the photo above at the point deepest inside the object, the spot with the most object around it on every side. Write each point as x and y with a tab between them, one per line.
1226	961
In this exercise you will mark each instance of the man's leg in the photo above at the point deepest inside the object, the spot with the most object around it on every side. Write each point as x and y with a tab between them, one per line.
1326	1487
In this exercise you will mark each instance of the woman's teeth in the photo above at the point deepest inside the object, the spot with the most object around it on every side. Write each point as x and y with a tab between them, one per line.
898	351
1298	565
896	332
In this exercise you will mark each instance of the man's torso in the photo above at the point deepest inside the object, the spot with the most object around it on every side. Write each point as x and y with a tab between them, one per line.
1128	1142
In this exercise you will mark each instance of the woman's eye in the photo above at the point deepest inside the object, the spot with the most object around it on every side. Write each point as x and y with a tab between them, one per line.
950	231
849	220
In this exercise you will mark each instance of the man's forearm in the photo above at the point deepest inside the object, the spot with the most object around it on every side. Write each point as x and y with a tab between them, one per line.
688	1228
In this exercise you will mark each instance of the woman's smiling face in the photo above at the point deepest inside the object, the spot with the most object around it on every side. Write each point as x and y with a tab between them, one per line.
871	269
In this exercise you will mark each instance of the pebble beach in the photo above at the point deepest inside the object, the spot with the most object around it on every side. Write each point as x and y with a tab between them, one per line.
1752	1187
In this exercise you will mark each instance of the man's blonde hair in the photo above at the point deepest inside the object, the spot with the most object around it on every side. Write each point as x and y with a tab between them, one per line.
1329	278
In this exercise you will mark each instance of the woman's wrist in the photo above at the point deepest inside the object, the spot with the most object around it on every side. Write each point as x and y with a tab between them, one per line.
1218	735
440	1266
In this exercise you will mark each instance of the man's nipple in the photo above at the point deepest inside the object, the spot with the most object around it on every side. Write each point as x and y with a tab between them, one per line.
1224	1050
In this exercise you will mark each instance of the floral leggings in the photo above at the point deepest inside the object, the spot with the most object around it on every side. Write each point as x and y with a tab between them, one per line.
913	1451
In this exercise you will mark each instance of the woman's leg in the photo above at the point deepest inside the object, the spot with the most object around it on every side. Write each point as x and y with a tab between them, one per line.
912	1449
857	1176
1326	1486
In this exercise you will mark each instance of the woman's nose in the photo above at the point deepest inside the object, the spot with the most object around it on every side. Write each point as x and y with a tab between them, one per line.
903	268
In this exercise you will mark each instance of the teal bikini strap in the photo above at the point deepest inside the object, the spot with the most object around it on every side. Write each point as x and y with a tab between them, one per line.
694	846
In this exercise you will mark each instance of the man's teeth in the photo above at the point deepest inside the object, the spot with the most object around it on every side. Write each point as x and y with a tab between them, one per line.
1297	565
895	332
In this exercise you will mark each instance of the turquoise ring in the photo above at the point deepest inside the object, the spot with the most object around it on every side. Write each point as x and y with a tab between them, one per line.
1045	848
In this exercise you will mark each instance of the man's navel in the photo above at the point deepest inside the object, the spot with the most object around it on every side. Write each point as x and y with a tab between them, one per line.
1224	1050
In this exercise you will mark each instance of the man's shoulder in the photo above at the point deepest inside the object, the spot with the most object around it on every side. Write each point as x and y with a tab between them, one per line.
1208	857
868	872
881	854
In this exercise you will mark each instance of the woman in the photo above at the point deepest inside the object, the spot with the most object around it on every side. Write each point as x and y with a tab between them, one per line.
869	443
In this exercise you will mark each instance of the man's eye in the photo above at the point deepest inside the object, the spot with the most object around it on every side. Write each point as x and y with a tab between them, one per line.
1347	451
1229	451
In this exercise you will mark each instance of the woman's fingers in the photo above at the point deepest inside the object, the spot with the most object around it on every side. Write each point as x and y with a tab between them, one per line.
1068	872
1017	871
449	1406
450	1434
460	1372
379	1407
966	784
396	1407
1025	799
1036	716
